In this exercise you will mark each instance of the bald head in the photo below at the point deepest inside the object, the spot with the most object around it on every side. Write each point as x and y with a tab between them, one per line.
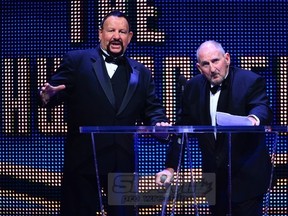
209	45
213	62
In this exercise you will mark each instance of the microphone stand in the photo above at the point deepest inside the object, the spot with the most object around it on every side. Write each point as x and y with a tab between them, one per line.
97	176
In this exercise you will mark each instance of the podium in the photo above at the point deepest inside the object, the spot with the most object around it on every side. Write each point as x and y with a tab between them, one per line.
184	131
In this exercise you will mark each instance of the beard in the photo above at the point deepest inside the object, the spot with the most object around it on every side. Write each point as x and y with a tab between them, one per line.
116	42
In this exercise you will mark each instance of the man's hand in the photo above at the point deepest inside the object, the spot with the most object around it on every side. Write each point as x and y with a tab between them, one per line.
254	120
48	91
162	136
165	177
163	124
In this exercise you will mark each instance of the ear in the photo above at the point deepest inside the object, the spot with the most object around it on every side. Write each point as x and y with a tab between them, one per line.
130	36
198	67
227	58
100	34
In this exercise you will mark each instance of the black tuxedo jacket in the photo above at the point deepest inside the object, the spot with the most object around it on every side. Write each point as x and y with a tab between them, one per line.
243	93
90	102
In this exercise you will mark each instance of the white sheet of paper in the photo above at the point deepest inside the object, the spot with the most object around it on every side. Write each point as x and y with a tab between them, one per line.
226	119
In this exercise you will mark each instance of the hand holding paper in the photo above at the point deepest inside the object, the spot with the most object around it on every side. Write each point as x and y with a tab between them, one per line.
226	119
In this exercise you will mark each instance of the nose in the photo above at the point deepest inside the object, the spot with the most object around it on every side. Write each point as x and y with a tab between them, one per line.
212	67
116	35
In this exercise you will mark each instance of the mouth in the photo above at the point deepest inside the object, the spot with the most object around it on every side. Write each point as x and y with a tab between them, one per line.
115	48
214	76
115	44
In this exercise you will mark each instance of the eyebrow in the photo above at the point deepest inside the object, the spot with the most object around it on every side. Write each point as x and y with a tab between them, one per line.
203	62
212	60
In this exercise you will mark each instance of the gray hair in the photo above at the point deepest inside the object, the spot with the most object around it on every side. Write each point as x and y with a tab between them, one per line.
214	43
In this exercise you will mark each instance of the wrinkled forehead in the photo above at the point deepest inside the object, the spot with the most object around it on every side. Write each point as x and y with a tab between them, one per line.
208	54
114	21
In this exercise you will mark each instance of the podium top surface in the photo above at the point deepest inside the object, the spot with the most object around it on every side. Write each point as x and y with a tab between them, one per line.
182	129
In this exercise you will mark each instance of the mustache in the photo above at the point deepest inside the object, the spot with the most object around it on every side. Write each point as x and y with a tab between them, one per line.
116	41
214	74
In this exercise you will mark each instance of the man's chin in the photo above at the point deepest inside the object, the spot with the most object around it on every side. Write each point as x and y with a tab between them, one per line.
216	82
115	54
116	50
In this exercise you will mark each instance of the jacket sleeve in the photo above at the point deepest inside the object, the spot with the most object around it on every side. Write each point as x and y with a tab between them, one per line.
154	110
63	76
258	102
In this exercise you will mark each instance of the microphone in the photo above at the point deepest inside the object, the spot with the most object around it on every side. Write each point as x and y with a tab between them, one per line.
163	179
182	82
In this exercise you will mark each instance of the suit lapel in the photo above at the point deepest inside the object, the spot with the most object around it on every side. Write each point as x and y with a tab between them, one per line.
104	80
205	104
223	102
206	118
130	89
105	83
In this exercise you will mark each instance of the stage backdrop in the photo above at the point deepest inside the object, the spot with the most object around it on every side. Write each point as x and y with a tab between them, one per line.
36	34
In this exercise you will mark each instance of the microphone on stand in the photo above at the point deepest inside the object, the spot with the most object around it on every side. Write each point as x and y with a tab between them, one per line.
180	89
184	140
182	82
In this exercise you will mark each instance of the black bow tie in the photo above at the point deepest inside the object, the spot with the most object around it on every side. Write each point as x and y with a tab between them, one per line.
114	60
215	88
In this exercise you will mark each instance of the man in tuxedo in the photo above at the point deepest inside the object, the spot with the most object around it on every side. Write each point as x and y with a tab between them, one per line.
239	92
101	87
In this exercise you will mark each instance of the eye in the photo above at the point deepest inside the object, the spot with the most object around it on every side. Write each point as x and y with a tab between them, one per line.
214	61
204	64
123	32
